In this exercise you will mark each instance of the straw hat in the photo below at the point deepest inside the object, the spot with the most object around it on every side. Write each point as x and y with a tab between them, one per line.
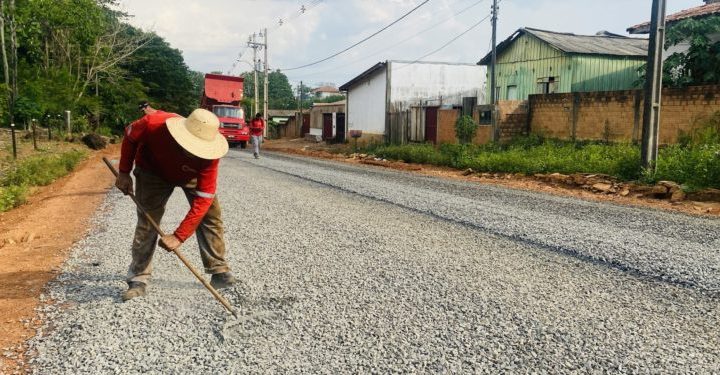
198	134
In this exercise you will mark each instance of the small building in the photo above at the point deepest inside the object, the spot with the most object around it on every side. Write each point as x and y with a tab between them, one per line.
284	122
710	9
390	101
533	61
323	92
328	121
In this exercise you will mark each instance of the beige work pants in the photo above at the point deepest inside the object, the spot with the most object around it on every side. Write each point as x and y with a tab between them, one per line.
153	193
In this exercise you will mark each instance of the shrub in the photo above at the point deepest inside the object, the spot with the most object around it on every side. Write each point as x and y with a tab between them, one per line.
695	165
11	197
465	129
34	171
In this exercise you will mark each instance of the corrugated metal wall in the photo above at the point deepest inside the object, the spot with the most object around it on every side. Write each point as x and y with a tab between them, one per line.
605	73
525	61
529	59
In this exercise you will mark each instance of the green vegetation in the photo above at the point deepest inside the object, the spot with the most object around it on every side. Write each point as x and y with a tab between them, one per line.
465	128
81	55
330	99
34	171
695	164
280	94
695	161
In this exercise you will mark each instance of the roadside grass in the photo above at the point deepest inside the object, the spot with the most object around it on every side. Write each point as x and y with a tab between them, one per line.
36	170
695	163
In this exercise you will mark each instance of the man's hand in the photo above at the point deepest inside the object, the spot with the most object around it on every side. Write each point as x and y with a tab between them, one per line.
124	183
170	243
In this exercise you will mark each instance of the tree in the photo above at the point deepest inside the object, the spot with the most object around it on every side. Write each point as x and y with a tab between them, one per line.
280	93
80	55
163	71
700	64
331	99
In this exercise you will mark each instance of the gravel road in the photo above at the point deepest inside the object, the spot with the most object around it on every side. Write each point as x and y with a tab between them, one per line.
350	269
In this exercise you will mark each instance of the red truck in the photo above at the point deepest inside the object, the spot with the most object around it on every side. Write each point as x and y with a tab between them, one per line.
222	96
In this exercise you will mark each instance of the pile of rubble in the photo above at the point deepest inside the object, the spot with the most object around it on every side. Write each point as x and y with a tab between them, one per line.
604	184
597	183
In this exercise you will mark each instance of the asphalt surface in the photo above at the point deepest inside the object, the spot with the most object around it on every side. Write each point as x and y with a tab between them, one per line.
351	269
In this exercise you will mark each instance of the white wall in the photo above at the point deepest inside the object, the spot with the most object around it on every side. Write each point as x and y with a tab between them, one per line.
366	104
414	84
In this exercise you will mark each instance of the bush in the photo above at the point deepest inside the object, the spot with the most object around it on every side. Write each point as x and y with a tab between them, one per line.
34	171
465	129
696	164
11	197
527	156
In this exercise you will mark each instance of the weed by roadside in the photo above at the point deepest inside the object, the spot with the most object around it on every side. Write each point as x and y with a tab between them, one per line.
34	171
695	164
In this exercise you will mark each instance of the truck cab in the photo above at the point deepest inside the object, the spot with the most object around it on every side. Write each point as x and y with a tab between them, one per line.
222	96
232	124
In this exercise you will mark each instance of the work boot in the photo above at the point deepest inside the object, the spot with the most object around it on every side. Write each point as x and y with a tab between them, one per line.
135	289
222	280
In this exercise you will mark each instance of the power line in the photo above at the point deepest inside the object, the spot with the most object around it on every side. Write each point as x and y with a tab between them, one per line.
449	42
415	35
282	21
360	42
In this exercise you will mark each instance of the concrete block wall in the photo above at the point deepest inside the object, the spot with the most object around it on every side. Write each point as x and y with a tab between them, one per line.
617	115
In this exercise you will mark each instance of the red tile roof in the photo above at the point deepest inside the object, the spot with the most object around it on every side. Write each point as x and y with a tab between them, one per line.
326	89
701	11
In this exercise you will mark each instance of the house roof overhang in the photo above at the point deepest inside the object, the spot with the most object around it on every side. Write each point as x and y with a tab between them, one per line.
603	44
379	66
702	11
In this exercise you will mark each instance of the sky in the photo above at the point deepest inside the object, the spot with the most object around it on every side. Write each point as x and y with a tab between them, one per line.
213	34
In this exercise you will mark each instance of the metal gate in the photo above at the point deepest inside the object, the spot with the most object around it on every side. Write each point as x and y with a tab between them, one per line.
431	120
340	127
327	132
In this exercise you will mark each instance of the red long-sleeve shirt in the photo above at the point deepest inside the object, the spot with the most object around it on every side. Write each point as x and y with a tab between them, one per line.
150	146
256	126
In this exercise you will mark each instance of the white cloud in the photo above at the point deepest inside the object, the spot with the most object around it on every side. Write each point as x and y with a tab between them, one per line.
211	33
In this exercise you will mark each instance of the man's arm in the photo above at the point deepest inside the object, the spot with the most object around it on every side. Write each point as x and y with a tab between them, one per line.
133	134
204	197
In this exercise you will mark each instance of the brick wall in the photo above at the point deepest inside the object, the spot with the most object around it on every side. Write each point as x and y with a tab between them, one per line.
617	115
446	125
513	116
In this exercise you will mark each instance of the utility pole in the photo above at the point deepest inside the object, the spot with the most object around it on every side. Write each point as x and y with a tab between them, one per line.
653	86
302	119
253	43
493	75
265	94
255	79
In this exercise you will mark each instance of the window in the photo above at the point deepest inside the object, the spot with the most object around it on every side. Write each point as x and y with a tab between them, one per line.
225	111
485	117
547	85
512	92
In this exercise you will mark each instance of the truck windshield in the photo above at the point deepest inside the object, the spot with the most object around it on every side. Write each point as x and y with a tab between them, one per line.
232	112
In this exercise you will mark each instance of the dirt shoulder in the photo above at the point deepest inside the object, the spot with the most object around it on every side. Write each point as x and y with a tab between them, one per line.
530	183
34	242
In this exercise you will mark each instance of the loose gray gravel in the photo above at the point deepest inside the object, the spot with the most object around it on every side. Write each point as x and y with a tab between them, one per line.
358	270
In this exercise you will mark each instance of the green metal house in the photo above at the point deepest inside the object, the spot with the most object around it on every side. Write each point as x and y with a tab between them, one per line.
533	61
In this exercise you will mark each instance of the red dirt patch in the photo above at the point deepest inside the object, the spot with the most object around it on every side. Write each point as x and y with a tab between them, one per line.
34	243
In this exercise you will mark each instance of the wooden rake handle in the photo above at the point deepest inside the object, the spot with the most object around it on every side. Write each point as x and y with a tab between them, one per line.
177	252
